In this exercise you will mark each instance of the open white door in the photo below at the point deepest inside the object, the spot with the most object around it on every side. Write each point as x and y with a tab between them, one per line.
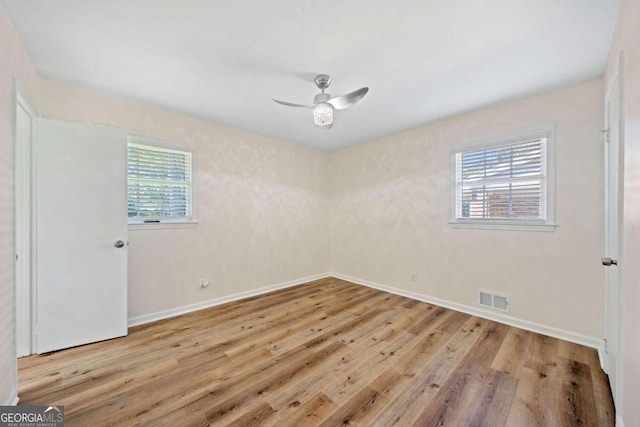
81	221
613	188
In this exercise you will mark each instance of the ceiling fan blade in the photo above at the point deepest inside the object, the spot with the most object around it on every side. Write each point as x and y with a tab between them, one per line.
344	101
289	104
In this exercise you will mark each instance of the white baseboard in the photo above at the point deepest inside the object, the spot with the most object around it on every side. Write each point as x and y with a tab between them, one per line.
13	398
586	340
602	357
172	312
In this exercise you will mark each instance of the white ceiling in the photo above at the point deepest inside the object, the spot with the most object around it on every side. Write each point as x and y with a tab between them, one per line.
224	61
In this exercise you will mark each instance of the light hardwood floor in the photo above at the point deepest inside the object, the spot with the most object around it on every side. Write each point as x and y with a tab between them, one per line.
325	353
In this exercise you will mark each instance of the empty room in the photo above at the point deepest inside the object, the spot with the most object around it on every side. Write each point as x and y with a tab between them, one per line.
288	213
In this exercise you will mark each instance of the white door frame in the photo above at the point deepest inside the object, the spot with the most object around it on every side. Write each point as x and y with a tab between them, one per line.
614	163
24	237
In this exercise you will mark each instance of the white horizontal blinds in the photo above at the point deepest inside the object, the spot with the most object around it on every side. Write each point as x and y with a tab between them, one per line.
159	183
505	182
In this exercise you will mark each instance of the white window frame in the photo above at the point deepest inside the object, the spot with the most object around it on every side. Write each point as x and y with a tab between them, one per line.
182	222
548	224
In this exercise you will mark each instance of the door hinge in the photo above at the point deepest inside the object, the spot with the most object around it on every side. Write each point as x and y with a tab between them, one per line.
606	346
606	134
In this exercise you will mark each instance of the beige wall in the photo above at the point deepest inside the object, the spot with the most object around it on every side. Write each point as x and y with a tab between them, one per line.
262	205
627	39
391	206
14	63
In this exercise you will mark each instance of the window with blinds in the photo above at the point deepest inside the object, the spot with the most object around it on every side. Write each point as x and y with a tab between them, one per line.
158	184
505	183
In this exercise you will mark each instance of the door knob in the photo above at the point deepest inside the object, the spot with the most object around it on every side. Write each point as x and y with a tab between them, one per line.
118	243
608	261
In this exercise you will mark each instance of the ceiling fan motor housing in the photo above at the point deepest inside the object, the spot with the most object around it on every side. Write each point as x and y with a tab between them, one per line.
321	97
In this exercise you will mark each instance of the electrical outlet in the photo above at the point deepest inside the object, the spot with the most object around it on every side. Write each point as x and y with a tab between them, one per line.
413	276
204	283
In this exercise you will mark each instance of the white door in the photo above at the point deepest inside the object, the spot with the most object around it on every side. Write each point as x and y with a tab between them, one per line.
612	231
81	235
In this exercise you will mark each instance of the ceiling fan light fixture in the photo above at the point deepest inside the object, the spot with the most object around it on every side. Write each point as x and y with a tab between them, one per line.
324	104
323	114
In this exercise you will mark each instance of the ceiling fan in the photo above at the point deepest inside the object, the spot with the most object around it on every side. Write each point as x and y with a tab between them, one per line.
323	104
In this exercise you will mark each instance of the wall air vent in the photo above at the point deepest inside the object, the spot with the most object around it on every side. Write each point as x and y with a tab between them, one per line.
493	300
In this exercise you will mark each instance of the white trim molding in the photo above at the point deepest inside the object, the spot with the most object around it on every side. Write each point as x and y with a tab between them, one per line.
177	311
24	210
138	226
585	340
498	225
13	398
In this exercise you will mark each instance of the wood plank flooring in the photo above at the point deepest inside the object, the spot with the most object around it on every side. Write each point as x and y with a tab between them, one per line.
326	353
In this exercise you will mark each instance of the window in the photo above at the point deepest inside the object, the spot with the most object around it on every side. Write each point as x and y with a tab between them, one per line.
505	183
158	184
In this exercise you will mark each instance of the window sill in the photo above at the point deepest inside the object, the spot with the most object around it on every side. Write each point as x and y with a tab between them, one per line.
136	226
502	225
